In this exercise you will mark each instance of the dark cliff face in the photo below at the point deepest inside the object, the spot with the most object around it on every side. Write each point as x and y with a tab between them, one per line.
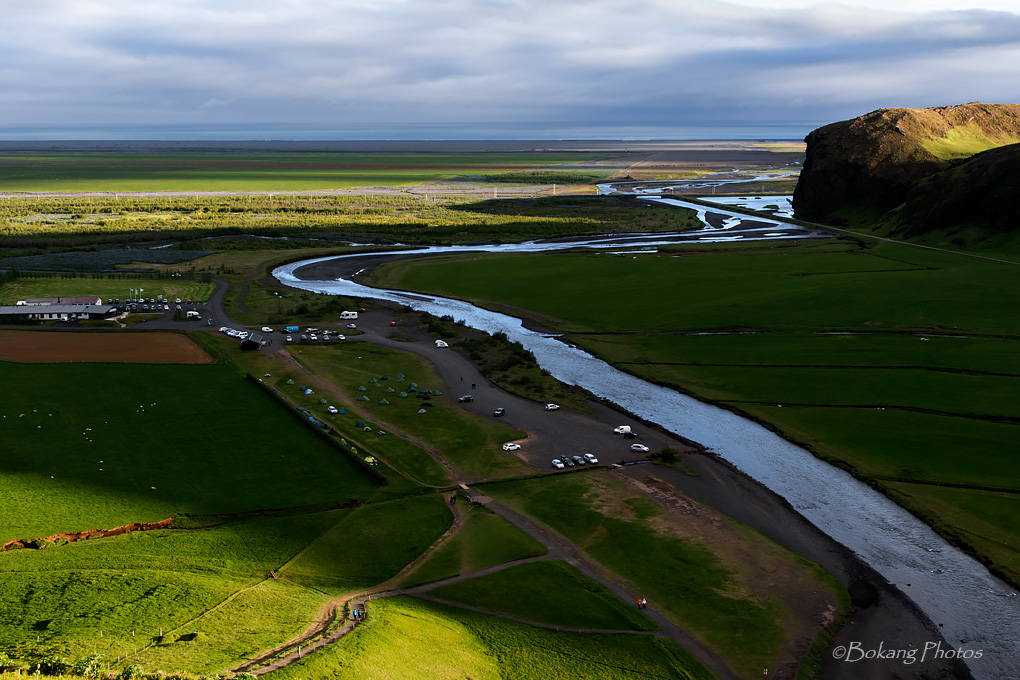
869	164
977	196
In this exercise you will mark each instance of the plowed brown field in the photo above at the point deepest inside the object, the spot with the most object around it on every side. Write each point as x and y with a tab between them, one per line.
121	348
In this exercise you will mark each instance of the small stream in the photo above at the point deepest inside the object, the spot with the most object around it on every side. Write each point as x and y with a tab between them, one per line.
978	613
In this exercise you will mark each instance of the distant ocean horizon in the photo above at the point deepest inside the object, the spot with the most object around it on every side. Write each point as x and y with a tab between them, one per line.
437	132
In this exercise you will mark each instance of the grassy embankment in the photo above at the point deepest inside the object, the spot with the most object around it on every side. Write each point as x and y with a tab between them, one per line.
693	568
933	422
402	636
185	600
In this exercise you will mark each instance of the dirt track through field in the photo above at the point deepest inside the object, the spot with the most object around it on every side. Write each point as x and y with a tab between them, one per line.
118	347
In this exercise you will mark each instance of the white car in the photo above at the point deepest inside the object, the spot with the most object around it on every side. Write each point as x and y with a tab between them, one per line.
313	336
290	339
332	409
591	458
640	448
511	446
551	407
267	329
341	337
558	464
621	429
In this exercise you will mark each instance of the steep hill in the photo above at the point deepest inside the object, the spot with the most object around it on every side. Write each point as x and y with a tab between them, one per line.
870	164
970	201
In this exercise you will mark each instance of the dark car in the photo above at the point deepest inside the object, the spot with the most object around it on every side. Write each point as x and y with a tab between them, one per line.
568	461
579	460
499	412
465	399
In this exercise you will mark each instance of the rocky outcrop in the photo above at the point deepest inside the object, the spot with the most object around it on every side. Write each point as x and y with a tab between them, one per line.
974	199
867	166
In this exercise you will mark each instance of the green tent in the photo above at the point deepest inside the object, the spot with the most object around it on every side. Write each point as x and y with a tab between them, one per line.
323	401
402	394
384	402
363	398
290	381
389	390
362	388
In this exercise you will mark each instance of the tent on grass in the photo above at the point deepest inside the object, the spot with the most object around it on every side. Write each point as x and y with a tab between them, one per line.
384	402
401	394
362	388
363	398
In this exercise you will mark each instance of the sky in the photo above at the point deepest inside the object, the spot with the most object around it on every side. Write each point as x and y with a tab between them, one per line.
556	63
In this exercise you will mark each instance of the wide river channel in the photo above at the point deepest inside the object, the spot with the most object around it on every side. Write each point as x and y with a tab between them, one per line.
979	613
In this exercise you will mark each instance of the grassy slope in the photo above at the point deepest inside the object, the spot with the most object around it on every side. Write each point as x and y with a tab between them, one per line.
550	592
211	444
484	541
207	441
788	292
406	639
686	577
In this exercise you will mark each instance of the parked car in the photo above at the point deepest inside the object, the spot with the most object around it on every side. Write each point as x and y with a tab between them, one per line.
393	323
499	412
332	409
640	448
551	407
591	458
579	460
290	339
341	337
620	429
558	464
351	325
510	446
313	336
267	329
568	462
465	399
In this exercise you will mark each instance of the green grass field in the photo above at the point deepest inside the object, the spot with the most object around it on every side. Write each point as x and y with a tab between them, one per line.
106	288
484	541
459	436
714	597
253	172
550	592
407	639
896	362
207	442
253	553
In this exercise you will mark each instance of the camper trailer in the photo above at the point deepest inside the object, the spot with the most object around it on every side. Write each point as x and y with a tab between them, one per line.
348	315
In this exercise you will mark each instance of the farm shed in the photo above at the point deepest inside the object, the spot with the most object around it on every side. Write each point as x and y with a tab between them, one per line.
252	343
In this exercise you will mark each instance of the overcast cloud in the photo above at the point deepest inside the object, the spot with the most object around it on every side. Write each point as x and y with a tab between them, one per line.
598	62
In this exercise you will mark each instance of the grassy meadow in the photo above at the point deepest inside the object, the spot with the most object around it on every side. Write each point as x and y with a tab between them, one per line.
485	540
407	639
259	539
895	362
258	172
104	287
692	576
550	592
